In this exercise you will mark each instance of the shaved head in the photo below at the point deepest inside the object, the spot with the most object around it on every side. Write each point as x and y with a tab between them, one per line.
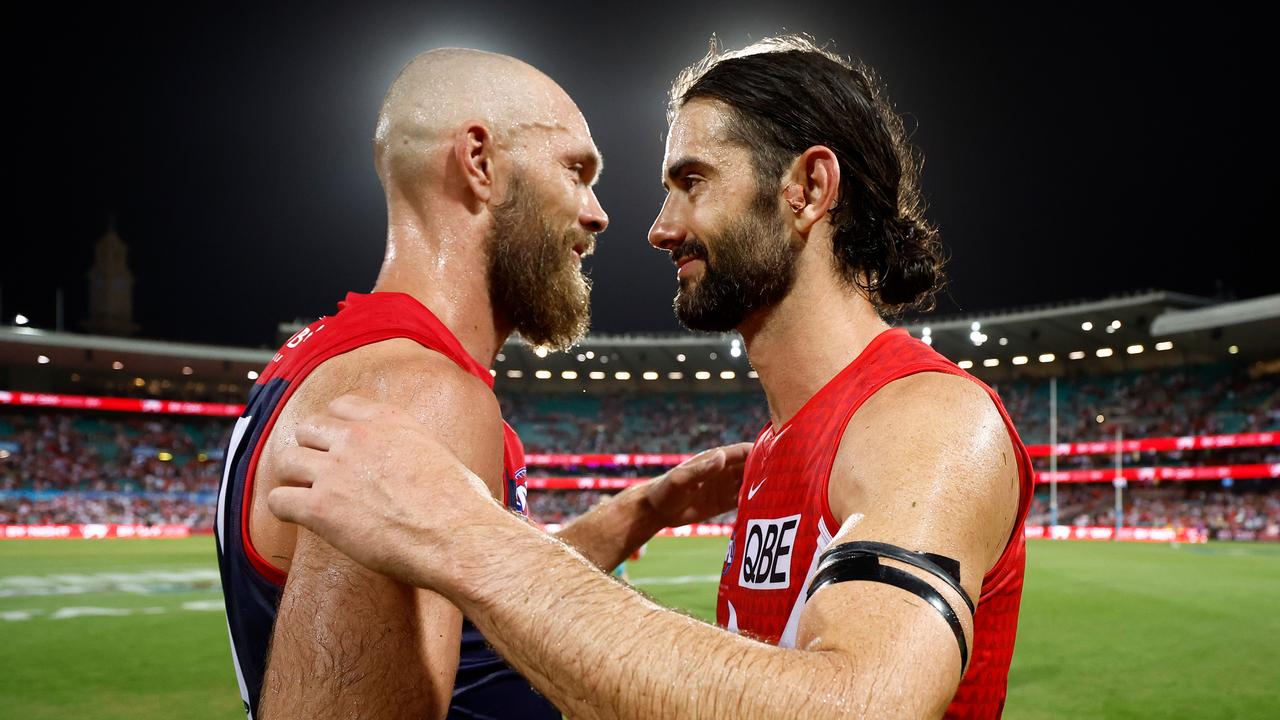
440	90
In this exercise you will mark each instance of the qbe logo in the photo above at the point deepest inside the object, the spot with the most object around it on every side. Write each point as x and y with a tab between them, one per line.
766	553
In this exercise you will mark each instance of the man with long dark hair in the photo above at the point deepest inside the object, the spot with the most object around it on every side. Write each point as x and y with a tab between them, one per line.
877	559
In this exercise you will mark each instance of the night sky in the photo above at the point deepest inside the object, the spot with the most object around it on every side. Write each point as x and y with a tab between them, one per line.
1070	152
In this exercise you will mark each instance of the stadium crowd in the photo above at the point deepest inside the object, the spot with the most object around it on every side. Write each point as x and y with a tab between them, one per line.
1203	506
62	466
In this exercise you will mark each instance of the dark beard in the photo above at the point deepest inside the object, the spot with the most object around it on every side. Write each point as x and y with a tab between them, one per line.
534	283
755	267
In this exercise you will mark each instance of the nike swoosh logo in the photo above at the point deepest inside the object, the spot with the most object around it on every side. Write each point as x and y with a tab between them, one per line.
751	491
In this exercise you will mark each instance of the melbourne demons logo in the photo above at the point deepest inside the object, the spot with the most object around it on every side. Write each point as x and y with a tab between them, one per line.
766	553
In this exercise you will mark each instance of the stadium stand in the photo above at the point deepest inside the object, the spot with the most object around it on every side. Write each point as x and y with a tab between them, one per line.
111	430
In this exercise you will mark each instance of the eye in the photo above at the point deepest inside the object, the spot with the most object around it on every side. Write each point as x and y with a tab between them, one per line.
577	170
691	181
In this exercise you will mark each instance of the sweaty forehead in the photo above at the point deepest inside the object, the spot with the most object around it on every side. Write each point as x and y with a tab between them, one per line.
700	125
701	130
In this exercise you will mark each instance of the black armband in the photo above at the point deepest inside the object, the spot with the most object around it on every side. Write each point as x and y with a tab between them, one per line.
861	561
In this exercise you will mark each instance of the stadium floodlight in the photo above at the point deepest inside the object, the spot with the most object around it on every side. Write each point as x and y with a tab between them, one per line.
590	354
926	331
252	374
753	374
604	359
715	356
596	375
1004	341
139	382
965	364
622	375
927	340
515	374
163	456
1164	345
675	375
581	358
1233	349
702	375
650	375
1104	352
735	351
43	359
501	357
680	357
1115	324
1134	349
117	365
540	351
493	373
1076	355
1100	418
991	362
1086	326
728	374
186	370
975	326
543	374
1020	360
1047	357
569	374
20	319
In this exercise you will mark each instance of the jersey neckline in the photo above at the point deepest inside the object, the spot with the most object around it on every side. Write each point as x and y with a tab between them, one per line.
446	336
881	338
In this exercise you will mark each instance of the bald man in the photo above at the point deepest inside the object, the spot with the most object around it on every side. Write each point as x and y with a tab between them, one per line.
488	168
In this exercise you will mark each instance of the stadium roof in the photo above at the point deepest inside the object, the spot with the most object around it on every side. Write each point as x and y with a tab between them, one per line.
1135	331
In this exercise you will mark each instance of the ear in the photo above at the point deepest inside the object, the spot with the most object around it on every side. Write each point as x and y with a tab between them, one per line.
813	187
473	149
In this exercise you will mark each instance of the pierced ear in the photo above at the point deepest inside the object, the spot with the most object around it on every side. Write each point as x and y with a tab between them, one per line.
473	152
815	177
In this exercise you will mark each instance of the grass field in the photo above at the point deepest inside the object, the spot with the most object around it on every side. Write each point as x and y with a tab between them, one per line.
134	628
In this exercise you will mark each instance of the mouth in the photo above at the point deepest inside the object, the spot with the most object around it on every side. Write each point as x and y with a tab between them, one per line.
583	248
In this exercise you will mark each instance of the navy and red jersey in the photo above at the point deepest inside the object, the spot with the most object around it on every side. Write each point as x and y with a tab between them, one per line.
785	522
486	687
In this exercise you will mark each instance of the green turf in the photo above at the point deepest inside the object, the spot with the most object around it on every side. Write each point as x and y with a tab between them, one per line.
1108	630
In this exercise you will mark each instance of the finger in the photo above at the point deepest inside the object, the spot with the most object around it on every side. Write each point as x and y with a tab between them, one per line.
698	466
320	431
354	407
736	453
294	505
300	466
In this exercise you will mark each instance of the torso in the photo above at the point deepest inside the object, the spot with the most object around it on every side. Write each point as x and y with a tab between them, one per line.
254	548
785	521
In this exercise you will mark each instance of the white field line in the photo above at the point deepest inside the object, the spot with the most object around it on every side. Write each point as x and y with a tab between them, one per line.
141	583
674	579
79	611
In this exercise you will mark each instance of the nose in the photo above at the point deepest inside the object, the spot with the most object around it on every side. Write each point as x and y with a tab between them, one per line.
592	217
666	233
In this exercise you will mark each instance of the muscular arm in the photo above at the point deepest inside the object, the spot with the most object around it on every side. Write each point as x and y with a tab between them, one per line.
925	464
349	642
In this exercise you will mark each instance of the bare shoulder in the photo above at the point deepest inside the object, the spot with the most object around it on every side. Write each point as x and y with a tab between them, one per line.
930	454
430	387
401	372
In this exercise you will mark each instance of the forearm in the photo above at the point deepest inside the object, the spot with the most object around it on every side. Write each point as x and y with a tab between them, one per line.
612	530
598	649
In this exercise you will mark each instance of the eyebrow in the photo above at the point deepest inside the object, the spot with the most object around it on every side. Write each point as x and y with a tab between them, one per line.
591	160
682	166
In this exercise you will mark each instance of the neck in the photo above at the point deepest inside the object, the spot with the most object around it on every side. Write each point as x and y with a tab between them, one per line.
443	266
800	344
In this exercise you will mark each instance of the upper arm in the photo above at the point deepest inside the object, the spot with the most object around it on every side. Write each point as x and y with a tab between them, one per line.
926	464
347	638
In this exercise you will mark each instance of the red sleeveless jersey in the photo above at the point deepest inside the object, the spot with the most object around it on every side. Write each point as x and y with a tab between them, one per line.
785	522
